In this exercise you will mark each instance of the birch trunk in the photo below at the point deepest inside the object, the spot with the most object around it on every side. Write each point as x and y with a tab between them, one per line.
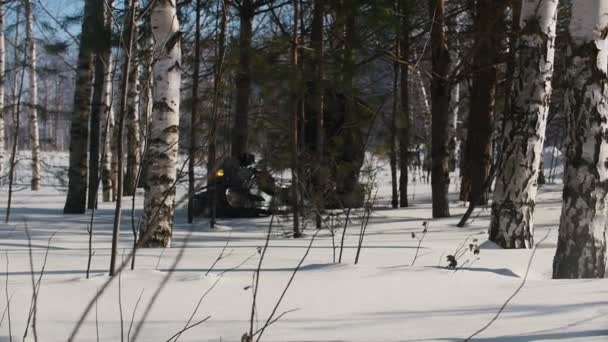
133	129
103	51
159	201
79	129
33	105
581	245
2	61
107	129
516	181
132	119
440	95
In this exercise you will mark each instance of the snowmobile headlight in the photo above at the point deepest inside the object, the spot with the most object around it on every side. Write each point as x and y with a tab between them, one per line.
219	173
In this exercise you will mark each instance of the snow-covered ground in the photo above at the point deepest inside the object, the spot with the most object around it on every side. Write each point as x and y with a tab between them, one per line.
383	298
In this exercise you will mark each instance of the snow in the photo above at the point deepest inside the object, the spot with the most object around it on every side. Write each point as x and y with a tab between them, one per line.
383	298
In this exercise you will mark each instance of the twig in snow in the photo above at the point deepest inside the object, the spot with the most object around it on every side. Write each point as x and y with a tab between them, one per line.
122	321
159	289
160	255
133	315
96	321
188	328
221	256
256	279
33	309
271	319
5	310
8	303
504	305
344	234
277	319
36	286
420	239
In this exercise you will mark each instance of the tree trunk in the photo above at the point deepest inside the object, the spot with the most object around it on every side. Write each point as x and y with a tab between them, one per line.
194	113
404	117
240	129
316	41
478	147
99	102
295	107
95	129
159	201
33	100
581	246
2	78
395	116
440	97
133	129
516	180
79	129
217	96
107	131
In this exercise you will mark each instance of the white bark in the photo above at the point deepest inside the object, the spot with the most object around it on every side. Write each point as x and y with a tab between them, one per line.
581	248
33	99
516	180
2	59
132	119
159	201
106	136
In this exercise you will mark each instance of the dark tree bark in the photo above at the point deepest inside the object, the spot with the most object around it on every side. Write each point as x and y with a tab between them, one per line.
316	37
194	113
404	118
394	117
440	99
240	128
295	122
478	147
217	95
79	129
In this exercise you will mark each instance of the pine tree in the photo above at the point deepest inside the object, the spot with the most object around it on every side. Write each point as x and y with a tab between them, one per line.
440	98
79	129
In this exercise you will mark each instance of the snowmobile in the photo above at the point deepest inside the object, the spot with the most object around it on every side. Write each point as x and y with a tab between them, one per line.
234	190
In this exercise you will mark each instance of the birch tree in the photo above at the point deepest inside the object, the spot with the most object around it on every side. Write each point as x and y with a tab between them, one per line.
33	95
107	129
2	61
581	245
79	129
159	201
516	181
133	137
101	119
